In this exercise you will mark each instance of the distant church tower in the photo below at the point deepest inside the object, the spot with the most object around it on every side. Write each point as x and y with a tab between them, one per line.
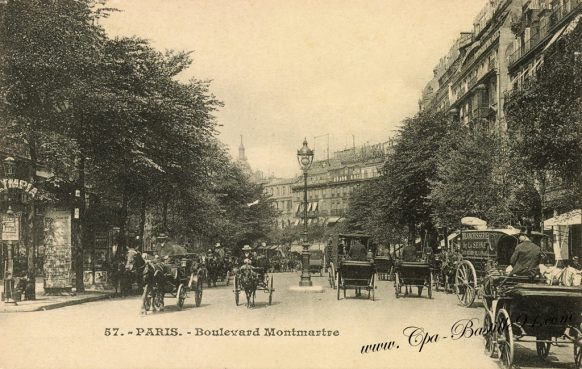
241	151
242	158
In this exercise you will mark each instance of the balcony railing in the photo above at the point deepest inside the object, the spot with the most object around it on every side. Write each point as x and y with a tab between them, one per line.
557	14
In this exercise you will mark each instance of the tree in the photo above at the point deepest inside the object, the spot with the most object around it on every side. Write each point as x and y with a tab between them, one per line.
50	46
545	119
407	175
469	179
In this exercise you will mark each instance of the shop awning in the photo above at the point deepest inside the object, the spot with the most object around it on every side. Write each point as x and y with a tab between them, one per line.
570	218
334	220
564	31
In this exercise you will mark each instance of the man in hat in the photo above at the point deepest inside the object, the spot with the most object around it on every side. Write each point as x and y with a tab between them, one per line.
247	254
526	257
219	250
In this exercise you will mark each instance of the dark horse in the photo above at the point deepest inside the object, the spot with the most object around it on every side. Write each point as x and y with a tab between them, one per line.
249	279
216	269
154	287
134	267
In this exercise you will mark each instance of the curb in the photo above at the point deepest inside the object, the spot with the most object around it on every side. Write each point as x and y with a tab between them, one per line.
58	305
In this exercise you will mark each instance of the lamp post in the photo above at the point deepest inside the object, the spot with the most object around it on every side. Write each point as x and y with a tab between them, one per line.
9	164
305	159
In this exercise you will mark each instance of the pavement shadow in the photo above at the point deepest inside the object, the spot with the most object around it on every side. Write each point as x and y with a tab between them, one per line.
525	357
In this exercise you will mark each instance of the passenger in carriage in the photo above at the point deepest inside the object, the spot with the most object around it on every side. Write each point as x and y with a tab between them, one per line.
526	258
409	253
358	252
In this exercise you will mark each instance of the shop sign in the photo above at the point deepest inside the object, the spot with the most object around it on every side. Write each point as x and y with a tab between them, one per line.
18	184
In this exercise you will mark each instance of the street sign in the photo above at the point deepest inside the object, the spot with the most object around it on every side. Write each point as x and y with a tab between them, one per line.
10	228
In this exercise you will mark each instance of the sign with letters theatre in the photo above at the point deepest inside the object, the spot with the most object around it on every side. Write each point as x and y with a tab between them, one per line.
18	184
58	253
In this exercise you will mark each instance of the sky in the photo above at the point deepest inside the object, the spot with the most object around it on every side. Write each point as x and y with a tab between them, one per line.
293	69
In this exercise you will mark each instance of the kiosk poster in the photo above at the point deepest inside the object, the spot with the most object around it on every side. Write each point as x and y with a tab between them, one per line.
57	242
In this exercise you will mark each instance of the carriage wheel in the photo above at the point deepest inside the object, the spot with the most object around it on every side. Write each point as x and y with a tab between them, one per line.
146	299
578	355
489	334
543	348
373	288
271	292
465	283
236	290
331	273
338	282
181	296
397	285
430	287
158	300
198	295
227	277
505	338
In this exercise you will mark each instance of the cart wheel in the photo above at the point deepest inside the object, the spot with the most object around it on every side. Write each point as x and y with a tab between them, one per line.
158	300
465	283
227	277
430	287
236	290
332	273
543	348
199	289
489	334
397	285
181	296
146	299
578	355
505	338
338	285
373	288
271	292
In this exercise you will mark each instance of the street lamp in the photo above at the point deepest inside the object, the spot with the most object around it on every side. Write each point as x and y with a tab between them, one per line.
305	159
9	164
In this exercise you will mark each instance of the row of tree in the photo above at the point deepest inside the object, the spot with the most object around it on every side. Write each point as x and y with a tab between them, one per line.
109	117
442	170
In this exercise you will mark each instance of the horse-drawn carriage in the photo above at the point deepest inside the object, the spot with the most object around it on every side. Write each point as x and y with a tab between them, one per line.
384	267
316	258
521	307
356	275
480	251
249	279
337	250
176	275
412	274
218	270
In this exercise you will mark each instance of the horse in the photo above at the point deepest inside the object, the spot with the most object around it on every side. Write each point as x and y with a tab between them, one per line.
134	267
215	267
249	279
154	281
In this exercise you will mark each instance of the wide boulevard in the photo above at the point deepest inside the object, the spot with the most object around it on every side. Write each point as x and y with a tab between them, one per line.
300	330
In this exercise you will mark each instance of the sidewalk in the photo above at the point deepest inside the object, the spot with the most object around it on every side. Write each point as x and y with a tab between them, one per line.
43	302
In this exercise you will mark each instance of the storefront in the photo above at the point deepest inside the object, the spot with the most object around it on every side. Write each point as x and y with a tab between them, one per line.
567	234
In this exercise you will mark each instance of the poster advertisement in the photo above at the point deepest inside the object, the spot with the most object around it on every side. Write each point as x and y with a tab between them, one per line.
58	252
10	228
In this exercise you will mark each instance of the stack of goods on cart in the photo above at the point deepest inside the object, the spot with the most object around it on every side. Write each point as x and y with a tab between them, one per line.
567	276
